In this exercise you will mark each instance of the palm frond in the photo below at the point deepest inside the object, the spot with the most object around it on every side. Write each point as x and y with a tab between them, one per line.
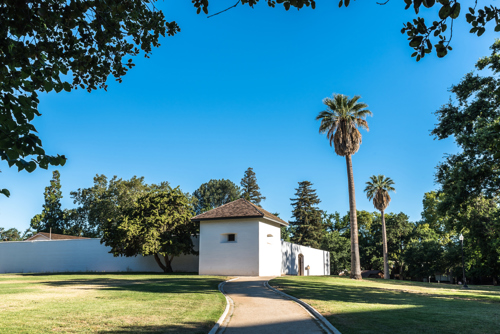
377	189
341	120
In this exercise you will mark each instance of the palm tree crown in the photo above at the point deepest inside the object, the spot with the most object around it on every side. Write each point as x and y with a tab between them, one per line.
341	120
378	190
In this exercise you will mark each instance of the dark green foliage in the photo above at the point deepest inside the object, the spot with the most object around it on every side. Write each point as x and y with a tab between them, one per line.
475	171
215	193
337	241
52	216
308	225
250	188
13	234
159	223
106	200
62	45
468	202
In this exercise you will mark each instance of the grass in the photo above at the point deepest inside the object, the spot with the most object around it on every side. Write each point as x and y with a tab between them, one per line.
379	306
109	303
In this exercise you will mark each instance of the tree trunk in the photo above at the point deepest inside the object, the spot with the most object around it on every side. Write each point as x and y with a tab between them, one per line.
168	262
167	267
355	261
384	241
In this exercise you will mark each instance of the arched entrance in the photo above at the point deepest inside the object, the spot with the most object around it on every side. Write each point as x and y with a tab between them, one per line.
301	265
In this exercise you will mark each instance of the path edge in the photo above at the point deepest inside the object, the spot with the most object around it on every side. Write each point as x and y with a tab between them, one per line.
308	307
224	315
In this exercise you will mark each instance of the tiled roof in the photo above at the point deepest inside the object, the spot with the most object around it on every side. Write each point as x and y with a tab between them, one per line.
54	236
240	208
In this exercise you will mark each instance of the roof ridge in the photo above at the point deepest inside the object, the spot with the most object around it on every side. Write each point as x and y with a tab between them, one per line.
218	207
254	206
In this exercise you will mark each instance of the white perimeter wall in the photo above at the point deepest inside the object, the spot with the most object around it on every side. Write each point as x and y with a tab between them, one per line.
219	257
317	259
79	255
269	249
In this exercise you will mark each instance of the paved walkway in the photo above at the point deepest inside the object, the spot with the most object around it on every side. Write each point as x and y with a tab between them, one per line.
259	310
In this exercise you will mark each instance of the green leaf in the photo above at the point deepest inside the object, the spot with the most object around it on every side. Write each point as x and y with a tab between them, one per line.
6	192
455	10
416	41
67	86
429	3
444	12
31	166
347	2
47	85
340	3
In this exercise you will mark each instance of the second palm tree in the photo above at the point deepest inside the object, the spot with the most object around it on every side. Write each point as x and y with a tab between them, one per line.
378	189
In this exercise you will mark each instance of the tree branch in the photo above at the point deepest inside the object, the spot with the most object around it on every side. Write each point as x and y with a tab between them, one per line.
222	11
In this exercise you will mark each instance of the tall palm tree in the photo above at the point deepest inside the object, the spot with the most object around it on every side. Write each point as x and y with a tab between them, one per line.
378	190
340	122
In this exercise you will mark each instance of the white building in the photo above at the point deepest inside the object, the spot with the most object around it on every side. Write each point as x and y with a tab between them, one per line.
236	239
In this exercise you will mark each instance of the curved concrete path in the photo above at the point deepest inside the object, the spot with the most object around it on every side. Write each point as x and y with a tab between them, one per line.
260	310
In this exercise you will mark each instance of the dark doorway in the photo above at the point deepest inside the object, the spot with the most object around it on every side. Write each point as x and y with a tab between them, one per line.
301	265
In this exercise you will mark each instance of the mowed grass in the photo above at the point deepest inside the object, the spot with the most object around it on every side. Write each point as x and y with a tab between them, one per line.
379	306
109	303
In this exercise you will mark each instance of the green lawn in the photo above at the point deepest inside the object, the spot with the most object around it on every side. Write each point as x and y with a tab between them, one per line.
109	303
378	306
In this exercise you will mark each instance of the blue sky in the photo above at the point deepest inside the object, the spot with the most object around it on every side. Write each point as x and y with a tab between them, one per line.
242	89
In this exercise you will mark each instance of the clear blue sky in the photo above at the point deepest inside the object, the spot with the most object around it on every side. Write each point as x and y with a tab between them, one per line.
242	89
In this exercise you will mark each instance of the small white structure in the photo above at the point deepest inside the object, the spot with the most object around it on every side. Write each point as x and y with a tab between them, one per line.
240	238
236	239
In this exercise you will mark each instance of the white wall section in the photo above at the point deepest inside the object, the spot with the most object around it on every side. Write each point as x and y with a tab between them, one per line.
318	260
80	255
269	249
220	257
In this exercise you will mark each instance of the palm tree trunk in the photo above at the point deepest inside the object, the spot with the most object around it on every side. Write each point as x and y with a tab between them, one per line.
355	261
384	241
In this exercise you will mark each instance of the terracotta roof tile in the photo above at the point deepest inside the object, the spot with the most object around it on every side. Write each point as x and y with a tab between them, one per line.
55	236
240	208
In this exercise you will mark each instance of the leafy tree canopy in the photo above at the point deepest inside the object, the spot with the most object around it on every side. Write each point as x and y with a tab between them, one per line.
250	188
106	201
158	224
471	121
215	193
13	234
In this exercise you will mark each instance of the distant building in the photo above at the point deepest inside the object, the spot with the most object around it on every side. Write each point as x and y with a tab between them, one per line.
44	236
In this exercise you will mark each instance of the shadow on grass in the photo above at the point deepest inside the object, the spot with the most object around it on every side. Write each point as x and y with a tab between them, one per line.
354	308
188	327
152	282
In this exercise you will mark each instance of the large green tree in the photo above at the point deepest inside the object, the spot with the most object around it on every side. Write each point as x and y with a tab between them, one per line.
105	202
340	122
249	187
52	216
158	224
307	226
470	179
377	189
215	193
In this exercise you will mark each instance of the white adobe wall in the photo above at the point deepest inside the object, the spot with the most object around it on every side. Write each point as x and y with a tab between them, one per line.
219	257
317	259
269	249
79	255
